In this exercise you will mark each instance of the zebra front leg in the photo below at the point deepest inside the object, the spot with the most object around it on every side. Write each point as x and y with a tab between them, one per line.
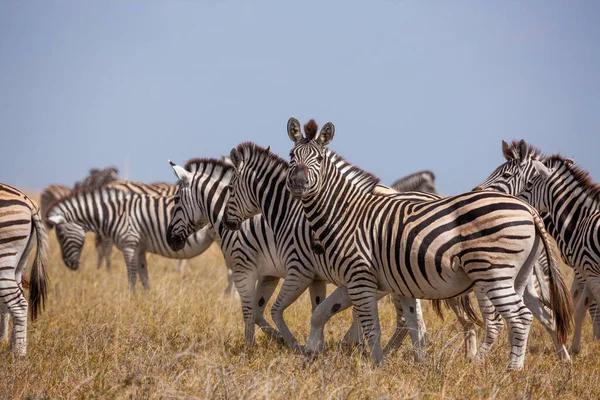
131	261
291	289
143	271
363	293
535	305
245	283
409	320
265	288
4	317
354	336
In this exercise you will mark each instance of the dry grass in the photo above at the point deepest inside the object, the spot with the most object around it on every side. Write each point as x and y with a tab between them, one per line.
183	339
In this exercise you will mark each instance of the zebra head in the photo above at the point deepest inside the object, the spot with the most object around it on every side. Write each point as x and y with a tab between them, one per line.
70	237
185	216
554	171
306	157
240	206
512	176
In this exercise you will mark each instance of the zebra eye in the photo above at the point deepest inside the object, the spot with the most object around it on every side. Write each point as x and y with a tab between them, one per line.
320	159
506	175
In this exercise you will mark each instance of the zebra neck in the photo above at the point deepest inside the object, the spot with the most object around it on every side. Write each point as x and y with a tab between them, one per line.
332	203
271	194
568	205
213	199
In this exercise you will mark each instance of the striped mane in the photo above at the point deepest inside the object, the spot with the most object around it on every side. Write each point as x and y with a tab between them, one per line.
414	174
210	166
364	180
581	176
248	149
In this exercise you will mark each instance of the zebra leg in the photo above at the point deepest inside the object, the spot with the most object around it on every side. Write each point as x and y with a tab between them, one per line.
15	305
265	287
579	316
535	305
291	289
131	261
318	292
4	317
510	305
230	290
409	320
107	246
99	251
337	301
363	293
181	265
492	323
245	282
468	329
143	271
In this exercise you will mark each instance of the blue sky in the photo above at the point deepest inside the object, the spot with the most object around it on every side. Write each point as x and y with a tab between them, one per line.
409	85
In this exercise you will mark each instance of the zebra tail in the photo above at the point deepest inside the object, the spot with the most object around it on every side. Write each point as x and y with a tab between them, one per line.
560	297
464	304
38	285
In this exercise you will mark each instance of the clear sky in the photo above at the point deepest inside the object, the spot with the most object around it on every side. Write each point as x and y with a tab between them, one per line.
409	85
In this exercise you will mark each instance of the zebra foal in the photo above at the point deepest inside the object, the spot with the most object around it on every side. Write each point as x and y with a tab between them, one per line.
20	228
481	241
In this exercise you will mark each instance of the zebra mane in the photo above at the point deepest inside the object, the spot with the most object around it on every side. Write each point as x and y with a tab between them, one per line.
429	174
247	149
216	166
514	150
580	175
364	180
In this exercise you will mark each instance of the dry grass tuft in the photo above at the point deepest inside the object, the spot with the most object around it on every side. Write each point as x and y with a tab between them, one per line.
183	339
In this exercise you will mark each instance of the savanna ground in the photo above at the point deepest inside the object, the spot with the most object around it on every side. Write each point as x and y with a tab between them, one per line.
184	339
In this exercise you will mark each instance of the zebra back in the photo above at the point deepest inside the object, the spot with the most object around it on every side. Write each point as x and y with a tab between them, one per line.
422	181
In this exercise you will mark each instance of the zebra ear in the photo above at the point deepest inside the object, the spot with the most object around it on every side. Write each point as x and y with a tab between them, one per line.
56	219
236	158
181	174
294	129
506	152
326	135
522	150
541	169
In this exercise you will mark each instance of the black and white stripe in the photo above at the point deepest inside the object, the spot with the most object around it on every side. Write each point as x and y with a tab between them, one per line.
422	181
21	227
569	203
481	241
135	223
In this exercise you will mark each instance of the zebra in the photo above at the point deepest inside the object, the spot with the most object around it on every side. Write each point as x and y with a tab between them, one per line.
258	186
253	253
427	249
20	227
135	223
98	178
422	181
568	200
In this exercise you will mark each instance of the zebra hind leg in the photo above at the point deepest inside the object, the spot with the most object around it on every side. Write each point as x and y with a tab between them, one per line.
143	271
131	261
363	293
245	283
535	305
492	323
468	327
4	318
510	305
17	308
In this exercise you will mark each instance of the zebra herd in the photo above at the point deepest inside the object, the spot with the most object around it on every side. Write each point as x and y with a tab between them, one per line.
318	219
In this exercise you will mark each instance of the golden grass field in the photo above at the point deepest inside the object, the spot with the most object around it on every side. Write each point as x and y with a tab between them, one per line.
184	339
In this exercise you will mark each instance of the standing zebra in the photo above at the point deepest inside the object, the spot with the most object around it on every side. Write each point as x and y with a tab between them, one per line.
571	207
20	227
422	181
258	186
481	241
98	178
135	223
253	252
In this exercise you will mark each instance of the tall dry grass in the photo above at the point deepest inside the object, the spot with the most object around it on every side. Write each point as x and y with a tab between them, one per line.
183	339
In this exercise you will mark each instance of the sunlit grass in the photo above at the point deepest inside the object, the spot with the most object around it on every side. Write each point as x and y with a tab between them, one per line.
184	339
